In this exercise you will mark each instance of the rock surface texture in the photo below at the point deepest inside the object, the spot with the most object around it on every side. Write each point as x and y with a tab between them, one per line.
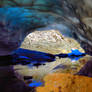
72	18
67	16
59	82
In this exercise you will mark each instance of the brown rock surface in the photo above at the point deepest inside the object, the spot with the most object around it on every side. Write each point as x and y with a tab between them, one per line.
59	82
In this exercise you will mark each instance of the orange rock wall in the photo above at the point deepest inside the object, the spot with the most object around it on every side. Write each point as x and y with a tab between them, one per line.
59	82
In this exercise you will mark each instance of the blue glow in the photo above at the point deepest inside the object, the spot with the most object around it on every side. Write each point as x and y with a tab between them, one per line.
75	52
37	58
75	58
75	55
35	84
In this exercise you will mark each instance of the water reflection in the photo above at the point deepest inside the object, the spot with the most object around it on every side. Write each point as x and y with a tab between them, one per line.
10	80
36	58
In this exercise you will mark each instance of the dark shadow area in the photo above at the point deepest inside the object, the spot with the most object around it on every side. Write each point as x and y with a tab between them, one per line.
86	70
10	83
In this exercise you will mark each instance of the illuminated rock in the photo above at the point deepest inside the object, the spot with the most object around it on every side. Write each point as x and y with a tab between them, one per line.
59	82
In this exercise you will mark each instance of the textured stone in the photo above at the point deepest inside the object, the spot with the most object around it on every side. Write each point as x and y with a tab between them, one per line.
35	14
50	41
59	82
